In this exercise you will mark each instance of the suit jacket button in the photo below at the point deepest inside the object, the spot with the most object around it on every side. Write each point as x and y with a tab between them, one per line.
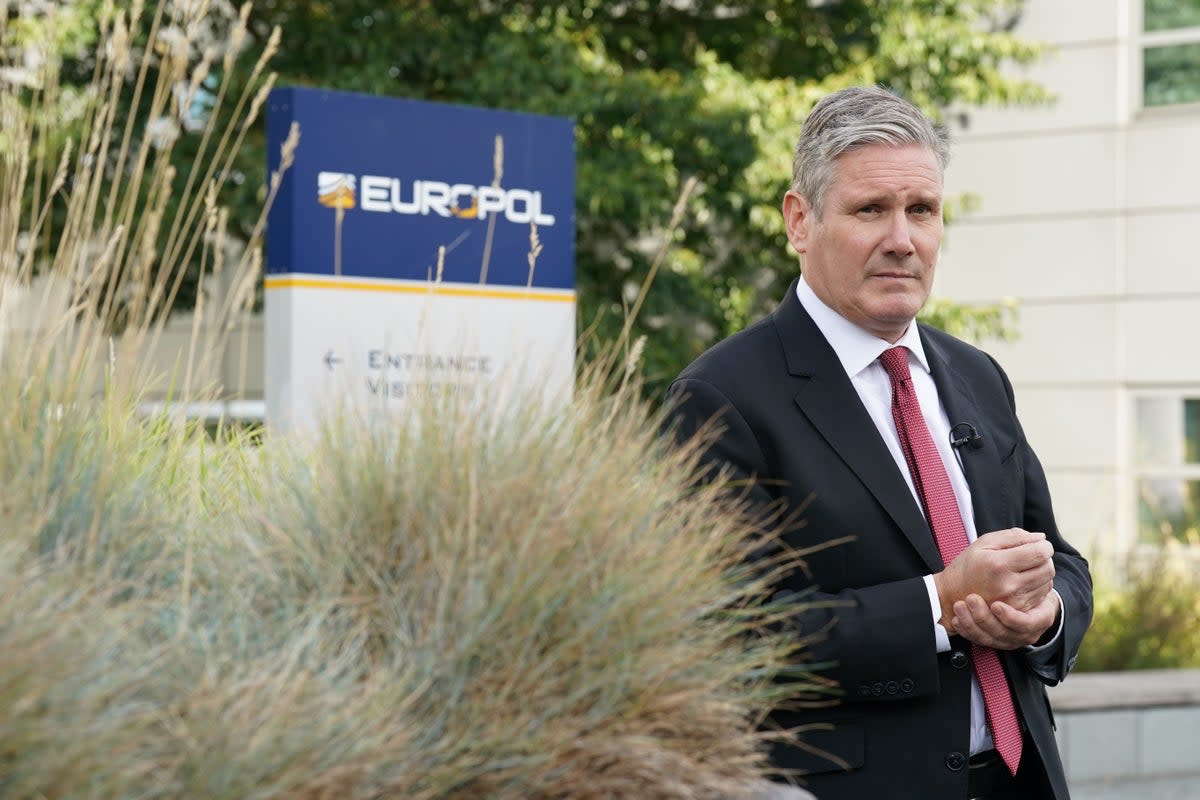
892	687
958	659
955	761
906	685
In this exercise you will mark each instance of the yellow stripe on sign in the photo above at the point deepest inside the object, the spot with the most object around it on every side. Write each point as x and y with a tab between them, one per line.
442	290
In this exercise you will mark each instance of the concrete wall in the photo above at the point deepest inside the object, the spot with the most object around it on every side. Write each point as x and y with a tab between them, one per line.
1130	734
237	372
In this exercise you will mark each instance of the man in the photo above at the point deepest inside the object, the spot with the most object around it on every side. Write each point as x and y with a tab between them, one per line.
956	600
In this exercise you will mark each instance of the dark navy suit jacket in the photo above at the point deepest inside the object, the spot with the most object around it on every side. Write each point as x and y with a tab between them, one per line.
793	425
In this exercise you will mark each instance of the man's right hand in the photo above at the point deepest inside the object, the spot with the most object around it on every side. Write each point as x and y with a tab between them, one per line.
1013	566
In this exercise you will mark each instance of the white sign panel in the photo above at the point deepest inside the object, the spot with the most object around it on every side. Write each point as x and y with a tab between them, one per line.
377	343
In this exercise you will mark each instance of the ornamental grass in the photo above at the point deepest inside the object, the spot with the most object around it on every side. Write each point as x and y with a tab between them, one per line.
448	605
456	601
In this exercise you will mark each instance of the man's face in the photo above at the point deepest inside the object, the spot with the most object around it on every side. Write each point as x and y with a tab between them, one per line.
871	254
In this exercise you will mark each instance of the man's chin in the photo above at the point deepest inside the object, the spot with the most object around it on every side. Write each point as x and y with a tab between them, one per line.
897	314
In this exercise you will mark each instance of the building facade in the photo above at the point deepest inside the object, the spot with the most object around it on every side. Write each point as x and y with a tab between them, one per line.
1088	213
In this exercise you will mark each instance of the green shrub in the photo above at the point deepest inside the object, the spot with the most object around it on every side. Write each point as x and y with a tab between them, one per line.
1146	612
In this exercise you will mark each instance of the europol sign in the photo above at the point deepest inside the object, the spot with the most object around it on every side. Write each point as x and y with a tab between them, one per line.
381	194
402	225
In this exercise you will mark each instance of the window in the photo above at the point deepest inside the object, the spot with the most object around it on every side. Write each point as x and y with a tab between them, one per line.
1170	52
1167	466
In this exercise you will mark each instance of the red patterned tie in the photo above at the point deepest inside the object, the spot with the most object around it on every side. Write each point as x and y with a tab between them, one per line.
941	509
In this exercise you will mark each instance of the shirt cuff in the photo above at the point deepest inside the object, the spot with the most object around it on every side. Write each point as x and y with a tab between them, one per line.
935	607
1062	615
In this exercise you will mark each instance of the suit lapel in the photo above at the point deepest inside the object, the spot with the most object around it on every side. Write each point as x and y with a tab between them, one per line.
982	467
829	401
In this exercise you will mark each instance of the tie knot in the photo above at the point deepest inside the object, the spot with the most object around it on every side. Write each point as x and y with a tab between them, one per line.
895	362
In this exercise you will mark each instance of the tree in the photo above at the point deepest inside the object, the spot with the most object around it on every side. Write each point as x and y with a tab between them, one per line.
661	93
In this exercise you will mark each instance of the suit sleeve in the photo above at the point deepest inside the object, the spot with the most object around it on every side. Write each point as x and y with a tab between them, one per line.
877	642
1072	578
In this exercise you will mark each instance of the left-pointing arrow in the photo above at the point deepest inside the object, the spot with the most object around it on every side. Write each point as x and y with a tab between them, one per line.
331	359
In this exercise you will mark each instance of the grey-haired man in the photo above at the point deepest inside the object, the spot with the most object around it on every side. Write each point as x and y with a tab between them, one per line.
957	600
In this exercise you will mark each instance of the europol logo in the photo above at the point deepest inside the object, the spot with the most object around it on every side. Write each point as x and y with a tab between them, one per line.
335	190
382	194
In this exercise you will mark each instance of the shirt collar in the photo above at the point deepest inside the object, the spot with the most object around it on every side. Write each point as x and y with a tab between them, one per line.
855	348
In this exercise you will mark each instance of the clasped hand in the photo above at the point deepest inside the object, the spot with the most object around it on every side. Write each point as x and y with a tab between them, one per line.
997	592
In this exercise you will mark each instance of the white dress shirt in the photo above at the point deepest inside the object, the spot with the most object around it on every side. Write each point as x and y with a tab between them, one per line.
859	351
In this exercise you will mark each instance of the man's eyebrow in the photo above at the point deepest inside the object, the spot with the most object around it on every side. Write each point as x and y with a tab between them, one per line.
855	201
858	201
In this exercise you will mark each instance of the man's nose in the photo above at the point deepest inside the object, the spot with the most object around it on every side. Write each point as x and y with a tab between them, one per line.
899	236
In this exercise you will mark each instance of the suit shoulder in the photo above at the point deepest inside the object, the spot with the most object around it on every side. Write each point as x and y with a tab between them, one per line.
946	340
967	359
954	347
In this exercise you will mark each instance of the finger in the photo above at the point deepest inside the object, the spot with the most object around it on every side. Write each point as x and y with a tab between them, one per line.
965	624
970	629
1024	557
1013	537
982	618
1032	623
1014	580
1031	597
1036	555
1001	630
1015	620
1020	589
1025	588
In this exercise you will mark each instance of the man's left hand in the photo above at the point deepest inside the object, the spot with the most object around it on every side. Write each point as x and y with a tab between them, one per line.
1002	627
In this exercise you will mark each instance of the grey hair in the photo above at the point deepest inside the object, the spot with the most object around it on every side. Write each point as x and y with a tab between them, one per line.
852	118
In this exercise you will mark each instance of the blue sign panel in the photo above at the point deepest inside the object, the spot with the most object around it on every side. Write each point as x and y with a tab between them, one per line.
380	184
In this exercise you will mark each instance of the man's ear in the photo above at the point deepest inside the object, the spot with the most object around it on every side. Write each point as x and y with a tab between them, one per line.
798	218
